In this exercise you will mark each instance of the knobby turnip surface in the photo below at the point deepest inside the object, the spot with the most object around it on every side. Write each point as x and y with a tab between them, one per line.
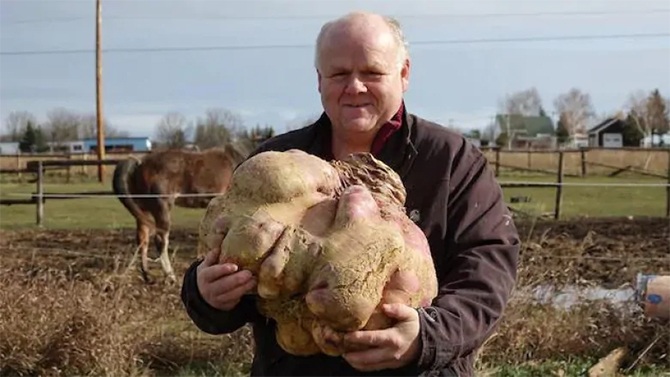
329	243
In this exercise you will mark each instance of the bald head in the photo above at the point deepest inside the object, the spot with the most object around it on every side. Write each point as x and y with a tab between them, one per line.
362	25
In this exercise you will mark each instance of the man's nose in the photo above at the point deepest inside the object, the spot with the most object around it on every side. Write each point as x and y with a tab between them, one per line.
355	85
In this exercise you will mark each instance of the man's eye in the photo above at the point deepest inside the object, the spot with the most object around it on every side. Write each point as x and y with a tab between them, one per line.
374	74
338	75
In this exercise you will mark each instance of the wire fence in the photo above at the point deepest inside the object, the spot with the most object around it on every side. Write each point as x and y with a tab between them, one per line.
40	196
214	194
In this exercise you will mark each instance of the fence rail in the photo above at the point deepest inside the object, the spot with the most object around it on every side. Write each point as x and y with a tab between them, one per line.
39	197
578	162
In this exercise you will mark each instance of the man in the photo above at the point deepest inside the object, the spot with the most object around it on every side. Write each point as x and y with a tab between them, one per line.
363	70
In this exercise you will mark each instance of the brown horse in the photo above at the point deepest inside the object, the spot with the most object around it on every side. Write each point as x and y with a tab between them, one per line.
150	187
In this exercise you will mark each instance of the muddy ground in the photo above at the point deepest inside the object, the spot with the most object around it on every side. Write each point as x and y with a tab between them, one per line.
607	252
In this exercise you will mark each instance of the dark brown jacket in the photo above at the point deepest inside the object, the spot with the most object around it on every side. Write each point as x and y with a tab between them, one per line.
454	198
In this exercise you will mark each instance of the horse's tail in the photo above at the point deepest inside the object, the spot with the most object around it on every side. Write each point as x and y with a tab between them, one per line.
122	173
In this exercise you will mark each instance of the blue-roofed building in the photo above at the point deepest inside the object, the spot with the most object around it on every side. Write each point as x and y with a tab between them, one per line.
112	144
119	144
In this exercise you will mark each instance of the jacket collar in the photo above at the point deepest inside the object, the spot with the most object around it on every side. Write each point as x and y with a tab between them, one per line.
398	152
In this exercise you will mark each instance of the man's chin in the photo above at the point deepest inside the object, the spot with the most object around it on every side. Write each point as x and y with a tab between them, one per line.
359	125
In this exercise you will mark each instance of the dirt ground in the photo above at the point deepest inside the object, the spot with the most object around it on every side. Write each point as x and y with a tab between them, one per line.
51	277
608	252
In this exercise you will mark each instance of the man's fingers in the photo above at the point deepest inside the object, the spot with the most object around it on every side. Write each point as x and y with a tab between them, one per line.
216	272
374	338
400	312
238	291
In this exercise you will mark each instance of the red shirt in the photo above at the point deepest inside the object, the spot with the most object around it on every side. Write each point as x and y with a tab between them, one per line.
384	133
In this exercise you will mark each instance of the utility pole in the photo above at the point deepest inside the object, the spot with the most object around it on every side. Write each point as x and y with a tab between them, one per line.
98	92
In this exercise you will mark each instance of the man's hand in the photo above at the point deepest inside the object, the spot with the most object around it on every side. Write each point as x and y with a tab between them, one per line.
222	285
389	348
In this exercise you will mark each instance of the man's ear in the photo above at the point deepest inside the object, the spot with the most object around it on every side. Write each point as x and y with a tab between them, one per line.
404	75
318	80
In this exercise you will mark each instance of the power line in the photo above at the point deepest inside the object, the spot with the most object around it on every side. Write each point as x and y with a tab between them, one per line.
300	46
324	16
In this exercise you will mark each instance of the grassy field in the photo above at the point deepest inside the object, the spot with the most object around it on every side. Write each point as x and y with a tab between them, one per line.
160	334
103	212
594	201
107	212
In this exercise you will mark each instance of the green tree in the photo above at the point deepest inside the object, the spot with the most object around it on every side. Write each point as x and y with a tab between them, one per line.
33	140
475	134
632	134
257	135
562	130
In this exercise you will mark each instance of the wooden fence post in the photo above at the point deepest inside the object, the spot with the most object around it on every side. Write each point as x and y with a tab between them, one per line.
529	158
40	194
667	189
583	156
559	187
18	165
68	172
497	161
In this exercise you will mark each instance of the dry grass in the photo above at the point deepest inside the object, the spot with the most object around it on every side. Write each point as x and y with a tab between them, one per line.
535	332
86	313
55	323
655	161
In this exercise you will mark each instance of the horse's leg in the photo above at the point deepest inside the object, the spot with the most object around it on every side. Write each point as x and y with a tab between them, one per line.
143	237
162	238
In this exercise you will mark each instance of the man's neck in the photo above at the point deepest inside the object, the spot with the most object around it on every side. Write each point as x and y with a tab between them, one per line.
343	146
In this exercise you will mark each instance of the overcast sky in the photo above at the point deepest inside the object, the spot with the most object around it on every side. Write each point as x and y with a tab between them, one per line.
190	55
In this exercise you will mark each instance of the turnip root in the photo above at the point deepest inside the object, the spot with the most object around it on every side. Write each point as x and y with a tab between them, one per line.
329	243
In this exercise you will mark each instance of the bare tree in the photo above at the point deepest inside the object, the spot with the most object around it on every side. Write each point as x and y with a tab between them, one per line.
88	127
526	102
171	130
17	122
218	127
62	125
658	113
575	110
637	110
522	103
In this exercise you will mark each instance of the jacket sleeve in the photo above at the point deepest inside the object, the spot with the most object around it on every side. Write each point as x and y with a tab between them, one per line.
208	318
479	274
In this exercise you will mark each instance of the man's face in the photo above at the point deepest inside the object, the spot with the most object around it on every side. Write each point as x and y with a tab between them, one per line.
360	81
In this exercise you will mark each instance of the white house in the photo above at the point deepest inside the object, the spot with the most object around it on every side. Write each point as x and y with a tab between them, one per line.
655	140
9	147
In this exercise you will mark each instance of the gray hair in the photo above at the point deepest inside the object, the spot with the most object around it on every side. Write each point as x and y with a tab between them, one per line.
392	23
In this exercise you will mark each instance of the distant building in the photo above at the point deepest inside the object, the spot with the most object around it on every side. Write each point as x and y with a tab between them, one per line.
607	134
118	144
527	132
9	147
656	141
